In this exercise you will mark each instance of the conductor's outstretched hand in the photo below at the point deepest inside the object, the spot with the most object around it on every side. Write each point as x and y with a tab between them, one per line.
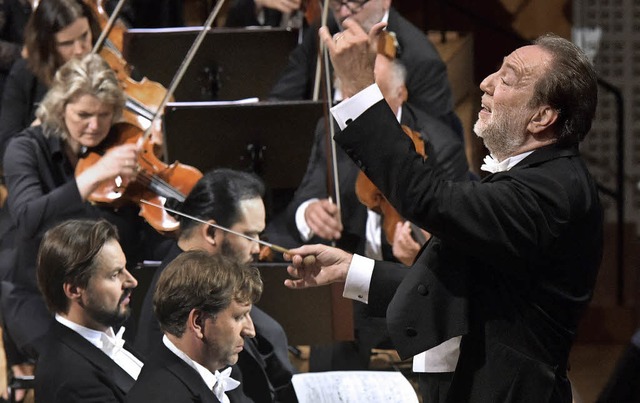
315	265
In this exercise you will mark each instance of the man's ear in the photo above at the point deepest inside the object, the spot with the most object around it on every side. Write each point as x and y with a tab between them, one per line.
73	292
543	119
403	93
209	233
195	322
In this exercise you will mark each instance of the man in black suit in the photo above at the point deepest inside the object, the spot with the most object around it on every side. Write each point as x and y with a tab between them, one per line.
83	278
427	81
512	262
203	303
232	199
312	217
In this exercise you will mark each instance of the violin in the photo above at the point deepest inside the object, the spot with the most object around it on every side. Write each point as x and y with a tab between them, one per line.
372	197
155	181
143	97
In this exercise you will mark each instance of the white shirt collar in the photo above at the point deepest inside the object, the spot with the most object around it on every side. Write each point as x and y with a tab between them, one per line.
208	377
385	17
93	336
492	165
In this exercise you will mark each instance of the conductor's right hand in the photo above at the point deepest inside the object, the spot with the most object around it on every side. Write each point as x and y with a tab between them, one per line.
323	218
328	265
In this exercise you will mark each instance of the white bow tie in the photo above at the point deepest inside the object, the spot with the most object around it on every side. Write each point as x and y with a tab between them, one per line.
111	345
224	383
492	165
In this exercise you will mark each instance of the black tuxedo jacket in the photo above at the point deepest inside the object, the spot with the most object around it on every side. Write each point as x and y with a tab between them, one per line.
166	378
71	369
263	367
511	266
427	81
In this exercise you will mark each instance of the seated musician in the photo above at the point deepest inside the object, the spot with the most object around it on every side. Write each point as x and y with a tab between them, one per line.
84	101
232	199
203	303
426	80
83	277
312	217
56	31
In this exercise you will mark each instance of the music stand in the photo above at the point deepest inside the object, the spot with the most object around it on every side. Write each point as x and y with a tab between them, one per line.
270	138
232	63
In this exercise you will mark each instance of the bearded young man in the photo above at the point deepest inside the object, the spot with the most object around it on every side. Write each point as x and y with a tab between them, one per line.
512	261
82	276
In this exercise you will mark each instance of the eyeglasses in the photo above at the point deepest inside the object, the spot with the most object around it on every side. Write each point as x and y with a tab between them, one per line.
354	6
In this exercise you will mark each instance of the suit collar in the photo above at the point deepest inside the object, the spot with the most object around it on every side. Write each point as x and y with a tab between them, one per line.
94	356
541	155
187	375
547	153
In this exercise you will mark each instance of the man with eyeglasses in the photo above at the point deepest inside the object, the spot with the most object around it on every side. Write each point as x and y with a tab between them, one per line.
427	81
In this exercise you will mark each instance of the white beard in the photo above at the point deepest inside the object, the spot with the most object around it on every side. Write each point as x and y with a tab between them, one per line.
504	133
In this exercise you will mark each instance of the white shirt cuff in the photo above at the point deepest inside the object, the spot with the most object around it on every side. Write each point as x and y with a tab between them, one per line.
351	108
358	281
303	228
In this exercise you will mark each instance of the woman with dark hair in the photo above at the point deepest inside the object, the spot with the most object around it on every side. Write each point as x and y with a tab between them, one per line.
57	31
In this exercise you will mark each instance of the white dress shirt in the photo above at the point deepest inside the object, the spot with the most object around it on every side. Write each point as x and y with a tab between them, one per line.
109	343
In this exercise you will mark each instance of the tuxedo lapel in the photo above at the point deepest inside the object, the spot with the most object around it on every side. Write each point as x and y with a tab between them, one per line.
94	356
187	375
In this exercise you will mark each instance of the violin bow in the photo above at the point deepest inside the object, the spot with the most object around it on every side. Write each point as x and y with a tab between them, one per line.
308	260
184	65
323	65
107	28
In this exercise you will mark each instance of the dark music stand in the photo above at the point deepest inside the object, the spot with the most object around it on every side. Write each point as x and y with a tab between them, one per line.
270	138
232	63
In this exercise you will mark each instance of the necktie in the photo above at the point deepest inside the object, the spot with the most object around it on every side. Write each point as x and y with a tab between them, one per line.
111	345
492	165
224	383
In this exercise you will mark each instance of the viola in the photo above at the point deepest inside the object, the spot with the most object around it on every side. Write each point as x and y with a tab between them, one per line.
372	197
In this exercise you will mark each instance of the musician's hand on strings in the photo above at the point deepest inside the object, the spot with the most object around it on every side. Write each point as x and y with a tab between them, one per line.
329	266
353	54
404	247
323	218
119	164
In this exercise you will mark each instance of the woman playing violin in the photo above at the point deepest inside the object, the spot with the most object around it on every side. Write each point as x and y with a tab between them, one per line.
57	31
84	101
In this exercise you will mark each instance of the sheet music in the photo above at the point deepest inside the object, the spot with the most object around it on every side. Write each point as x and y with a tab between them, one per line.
353	386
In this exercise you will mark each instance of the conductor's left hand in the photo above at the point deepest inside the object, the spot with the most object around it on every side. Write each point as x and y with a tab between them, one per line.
331	265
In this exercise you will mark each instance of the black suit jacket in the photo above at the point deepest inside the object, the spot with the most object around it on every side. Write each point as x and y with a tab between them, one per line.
71	369
511	266
427	81
21	94
167	378
263	366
